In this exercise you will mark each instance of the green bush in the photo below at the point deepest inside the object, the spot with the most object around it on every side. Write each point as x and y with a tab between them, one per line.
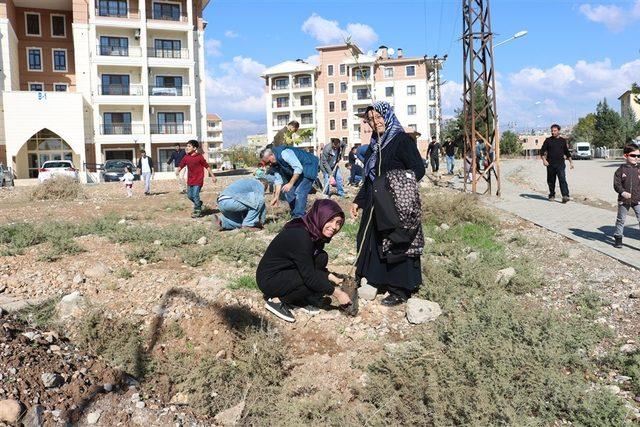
197	256
244	282
150	254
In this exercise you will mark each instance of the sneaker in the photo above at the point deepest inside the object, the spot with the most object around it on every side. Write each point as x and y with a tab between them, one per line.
393	300
196	214
308	309
281	310
565	199
551	197
618	242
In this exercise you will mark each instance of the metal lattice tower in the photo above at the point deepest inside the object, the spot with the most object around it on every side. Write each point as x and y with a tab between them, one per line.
479	98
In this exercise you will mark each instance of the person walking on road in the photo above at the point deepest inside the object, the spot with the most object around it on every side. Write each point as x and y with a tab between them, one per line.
554	152
176	158
146	171
433	153
449	154
196	165
626	182
329	159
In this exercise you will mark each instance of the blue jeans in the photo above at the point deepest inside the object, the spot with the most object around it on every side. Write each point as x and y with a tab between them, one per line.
193	193
146	177
237	215
297	196
450	164
623	210
339	186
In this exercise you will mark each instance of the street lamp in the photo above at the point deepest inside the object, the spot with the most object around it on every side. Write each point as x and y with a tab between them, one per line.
515	36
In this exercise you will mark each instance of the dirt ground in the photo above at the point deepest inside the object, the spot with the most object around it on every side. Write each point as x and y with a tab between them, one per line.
199	300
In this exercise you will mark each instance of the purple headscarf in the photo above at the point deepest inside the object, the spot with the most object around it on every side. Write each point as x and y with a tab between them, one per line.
314	220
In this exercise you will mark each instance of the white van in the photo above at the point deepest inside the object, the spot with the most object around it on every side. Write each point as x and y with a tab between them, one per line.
582	151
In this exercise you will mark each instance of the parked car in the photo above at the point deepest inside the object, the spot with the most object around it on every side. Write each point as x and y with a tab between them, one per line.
6	177
582	151
113	170
53	168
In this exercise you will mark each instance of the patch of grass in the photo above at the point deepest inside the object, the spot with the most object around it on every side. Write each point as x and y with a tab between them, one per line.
274	226
244	282
174	207
197	256
350	230
519	240
150	254
21	235
58	188
124	273
454	209
624	364
588	302
235	247
40	315
59	248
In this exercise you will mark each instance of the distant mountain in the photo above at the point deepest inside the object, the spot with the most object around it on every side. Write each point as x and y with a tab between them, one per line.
235	131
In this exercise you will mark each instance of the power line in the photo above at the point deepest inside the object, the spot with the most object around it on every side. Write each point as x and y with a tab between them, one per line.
440	26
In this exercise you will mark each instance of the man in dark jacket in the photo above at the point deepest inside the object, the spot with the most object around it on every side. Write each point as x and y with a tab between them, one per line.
329	158
279	139
554	152
449	148
433	153
626	182
176	157
146	171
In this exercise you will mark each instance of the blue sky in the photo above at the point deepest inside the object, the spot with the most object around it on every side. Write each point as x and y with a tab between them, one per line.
574	54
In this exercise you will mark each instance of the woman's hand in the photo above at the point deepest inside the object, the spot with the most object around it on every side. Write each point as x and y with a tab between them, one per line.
354	210
342	296
334	279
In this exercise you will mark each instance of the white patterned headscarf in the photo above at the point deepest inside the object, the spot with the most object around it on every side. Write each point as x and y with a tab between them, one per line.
392	128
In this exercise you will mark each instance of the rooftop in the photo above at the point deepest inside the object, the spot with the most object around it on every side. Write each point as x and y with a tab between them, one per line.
289	67
214	117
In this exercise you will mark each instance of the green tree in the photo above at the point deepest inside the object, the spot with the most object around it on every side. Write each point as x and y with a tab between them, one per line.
630	126
609	128
295	138
510	143
585	129
242	156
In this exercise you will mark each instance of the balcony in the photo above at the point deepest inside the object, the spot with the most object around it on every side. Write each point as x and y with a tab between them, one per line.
303	105
119	51
169	91
170	128
170	16
120	90
307	86
280	123
168	53
117	12
121	129
277	105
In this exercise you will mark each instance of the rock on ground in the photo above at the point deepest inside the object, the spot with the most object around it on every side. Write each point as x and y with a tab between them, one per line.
421	311
366	291
51	380
34	417
202	241
231	416
10	411
504	276
71	306
93	417
97	271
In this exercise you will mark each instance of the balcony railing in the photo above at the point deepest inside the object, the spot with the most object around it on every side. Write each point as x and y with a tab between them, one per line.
121	129
280	87
280	123
306	121
175	17
170	128
168	53
360	78
116	12
301	85
105	50
281	105
302	103
121	90
169	91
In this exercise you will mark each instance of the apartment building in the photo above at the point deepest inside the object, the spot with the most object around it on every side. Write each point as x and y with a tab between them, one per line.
93	80
630	102
214	138
332	96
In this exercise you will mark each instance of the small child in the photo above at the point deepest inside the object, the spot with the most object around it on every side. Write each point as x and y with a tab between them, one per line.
196	166
626	182
128	181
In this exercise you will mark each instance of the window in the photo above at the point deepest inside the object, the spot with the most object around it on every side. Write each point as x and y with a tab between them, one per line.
59	59
306	100
45	146
60	87
34	55
411	90
343	105
281	84
432	113
345	141
168	85
344	123
166	11
306	118
411	110
332	106
164	154
32	21
331	88
58	26
330	70
38	87
343	87
115	84
361	73
362	93
304	81
116	8
388	91
282	119
387	72
114	46
343	69
332	124
282	101
413	127
167	48
361	110
116	124
410	70
432	94
169	123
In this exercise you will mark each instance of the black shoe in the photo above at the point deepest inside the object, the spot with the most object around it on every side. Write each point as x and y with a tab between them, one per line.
565	199
618	243
281	310
551	197
392	300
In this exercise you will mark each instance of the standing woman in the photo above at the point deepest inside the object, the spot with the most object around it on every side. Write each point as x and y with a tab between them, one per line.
400	275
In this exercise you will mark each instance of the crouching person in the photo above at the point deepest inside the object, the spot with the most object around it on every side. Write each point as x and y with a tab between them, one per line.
294	267
241	204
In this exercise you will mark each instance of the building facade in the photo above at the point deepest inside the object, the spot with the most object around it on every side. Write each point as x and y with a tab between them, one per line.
331	97
630	102
215	140
94	80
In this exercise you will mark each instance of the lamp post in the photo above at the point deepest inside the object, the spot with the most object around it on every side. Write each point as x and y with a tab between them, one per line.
515	36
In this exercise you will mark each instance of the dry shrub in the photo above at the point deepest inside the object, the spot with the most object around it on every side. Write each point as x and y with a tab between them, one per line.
454	209
58	188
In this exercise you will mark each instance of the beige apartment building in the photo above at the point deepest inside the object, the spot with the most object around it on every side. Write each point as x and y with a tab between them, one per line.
215	140
331	96
93	80
630	101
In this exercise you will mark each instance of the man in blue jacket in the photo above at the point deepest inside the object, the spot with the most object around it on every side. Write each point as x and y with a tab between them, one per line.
241	204
299	168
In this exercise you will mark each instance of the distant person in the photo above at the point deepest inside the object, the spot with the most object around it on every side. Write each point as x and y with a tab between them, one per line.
196	165
279	139
329	161
241	205
433	153
449	148
299	168
554	152
146	171
294	266
128	178
176	158
626	182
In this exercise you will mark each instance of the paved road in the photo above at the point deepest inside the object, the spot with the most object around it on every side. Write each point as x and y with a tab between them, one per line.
589	225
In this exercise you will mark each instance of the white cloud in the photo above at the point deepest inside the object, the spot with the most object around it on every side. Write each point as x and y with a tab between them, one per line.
238	89
614	17
326	31
313	59
450	96
212	47
231	34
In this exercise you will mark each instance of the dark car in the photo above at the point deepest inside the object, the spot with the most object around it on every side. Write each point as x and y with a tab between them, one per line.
6	176
113	170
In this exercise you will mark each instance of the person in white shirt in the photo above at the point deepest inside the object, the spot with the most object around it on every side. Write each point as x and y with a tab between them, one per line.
146	170
127	178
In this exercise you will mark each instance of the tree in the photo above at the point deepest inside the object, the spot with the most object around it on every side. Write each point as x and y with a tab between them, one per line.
301	135
609	128
510	143
242	156
585	129
629	126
